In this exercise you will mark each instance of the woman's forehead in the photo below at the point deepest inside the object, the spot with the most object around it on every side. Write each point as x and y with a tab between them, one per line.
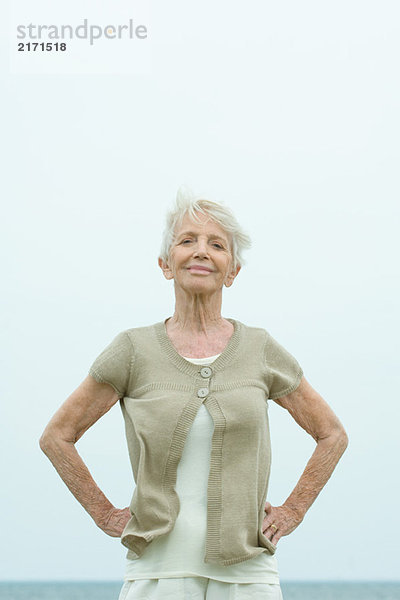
207	225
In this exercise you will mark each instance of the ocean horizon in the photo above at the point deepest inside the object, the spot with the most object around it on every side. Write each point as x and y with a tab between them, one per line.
109	590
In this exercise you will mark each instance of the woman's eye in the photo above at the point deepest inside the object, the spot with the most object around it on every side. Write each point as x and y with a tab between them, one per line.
215	244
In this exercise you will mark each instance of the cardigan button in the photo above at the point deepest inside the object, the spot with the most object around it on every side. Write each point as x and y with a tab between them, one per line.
205	372
202	392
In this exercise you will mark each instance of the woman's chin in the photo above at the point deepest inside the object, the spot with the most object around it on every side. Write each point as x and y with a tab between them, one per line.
199	287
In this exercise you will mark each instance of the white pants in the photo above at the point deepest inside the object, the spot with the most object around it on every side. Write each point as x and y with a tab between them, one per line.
197	588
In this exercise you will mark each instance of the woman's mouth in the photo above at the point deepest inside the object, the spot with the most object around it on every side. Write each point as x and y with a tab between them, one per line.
199	269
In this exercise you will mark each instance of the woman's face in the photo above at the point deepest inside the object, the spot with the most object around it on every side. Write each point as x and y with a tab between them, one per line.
200	256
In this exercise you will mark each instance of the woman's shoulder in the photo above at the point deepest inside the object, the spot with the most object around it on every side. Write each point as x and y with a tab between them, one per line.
253	330
263	336
253	335
141	329
143	334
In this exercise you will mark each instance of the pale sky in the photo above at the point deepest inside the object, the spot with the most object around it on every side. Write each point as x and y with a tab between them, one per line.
289	114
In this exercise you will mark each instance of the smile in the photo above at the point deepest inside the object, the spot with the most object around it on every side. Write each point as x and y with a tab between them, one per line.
196	269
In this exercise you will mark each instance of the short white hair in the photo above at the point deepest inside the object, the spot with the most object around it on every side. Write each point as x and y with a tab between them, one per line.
188	202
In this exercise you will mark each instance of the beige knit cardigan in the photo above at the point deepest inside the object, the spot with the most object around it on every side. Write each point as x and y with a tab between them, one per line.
160	393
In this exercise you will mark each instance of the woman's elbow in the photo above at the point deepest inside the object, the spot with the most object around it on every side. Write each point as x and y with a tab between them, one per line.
342	439
336	439
345	439
44	442
46	439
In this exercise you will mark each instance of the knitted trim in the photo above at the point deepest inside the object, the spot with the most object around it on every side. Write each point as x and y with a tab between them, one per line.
289	389
190	368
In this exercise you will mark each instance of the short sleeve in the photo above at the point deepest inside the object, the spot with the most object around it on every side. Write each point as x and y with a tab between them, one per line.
283	372
113	364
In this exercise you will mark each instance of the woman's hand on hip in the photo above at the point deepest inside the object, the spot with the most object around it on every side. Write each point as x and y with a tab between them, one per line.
115	521
279	521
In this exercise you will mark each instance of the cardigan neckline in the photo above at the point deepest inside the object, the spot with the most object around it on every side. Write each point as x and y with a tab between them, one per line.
188	367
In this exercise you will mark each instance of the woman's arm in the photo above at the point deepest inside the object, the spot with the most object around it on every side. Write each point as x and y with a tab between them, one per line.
90	401
314	415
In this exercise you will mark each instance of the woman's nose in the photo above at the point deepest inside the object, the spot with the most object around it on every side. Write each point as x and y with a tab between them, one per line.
200	249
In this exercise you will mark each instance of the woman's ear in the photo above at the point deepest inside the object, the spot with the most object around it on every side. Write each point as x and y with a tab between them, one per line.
230	278
165	269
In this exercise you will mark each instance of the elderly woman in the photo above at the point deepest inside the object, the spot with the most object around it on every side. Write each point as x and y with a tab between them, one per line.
193	391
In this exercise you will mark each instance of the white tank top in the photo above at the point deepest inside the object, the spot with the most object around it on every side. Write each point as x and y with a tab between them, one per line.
180	552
